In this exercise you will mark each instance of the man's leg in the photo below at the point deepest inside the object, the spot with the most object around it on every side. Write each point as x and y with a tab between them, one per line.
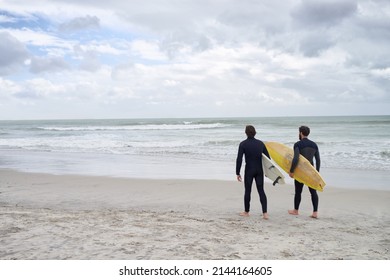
297	197
314	201
248	180
263	198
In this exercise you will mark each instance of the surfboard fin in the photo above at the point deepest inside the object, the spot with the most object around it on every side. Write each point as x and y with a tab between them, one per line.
276	181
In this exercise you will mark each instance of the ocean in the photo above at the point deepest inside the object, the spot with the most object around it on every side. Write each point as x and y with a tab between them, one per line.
355	150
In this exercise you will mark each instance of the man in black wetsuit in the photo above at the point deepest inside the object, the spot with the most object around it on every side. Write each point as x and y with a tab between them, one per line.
253	149
309	150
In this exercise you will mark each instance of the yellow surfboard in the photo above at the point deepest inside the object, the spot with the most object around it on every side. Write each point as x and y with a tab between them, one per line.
304	172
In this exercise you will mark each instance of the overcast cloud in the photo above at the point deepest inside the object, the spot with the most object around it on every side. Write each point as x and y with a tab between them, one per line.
193	58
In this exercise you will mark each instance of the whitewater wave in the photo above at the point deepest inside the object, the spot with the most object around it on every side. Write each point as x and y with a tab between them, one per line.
185	126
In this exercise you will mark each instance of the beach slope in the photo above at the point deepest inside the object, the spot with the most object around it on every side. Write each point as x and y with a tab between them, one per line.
85	217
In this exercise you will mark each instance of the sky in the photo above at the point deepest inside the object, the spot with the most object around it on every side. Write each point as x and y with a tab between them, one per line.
74	59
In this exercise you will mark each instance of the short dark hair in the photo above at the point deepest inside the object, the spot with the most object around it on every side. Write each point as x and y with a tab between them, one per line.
305	130
250	131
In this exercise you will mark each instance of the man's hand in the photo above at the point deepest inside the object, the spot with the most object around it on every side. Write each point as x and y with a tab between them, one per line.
291	174
239	179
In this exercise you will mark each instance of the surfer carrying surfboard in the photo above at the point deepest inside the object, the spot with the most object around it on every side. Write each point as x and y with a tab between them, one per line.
310	151
253	149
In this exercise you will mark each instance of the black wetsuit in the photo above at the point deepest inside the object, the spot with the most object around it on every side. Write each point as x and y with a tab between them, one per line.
253	149
309	150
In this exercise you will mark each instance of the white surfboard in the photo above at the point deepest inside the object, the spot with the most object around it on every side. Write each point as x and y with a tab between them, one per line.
272	172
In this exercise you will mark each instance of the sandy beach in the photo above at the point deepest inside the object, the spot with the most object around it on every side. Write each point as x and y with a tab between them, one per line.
60	217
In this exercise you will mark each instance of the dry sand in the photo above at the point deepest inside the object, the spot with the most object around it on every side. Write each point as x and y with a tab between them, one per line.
84	217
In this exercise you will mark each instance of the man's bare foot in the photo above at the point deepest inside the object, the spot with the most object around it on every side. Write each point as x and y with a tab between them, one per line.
265	216
244	214
314	215
293	212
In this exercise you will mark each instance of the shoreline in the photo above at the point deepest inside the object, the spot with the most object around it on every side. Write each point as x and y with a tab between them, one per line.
88	217
147	167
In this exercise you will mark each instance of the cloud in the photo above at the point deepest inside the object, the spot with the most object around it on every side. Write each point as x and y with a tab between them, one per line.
382	73
12	54
154	58
50	64
89	60
314	13
4	18
147	50
8	88
38	88
80	23
313	44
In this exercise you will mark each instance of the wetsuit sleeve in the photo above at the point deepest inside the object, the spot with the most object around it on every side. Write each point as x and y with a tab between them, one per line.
239	159
265	151
318	160
295	159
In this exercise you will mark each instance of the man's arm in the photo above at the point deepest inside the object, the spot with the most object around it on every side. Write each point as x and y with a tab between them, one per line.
318	160
265	151
239	159
294	161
